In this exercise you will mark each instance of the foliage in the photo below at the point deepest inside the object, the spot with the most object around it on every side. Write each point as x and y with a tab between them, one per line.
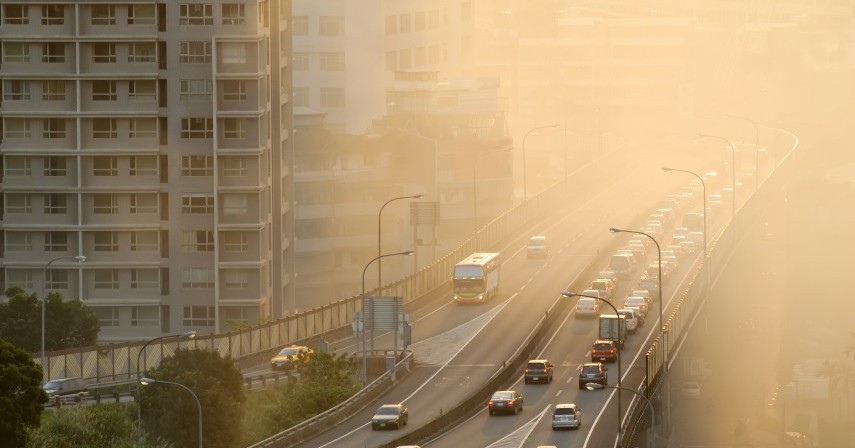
68	323
98	426
21	394
171	413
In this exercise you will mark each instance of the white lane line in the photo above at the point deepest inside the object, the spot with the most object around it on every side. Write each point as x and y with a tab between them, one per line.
516	438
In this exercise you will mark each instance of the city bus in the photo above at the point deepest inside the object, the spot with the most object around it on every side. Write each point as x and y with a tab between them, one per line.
476	278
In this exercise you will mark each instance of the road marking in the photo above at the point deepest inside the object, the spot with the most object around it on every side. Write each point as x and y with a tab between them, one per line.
516	438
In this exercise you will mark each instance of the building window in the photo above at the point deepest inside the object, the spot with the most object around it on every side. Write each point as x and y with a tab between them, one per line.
197	204
235	242
106	204
142	128
17	128
140	52
331	26
104	128
56	242
235	128
53	90
108	316
300	25
19	203
144	241
143	166
104	91
198	316
145	279
235	204
16	90
53	52
106	241
56	279
18	166
103	14
197	128
234	53
301	96
195	52
19	241
420	21
196	89
106	278
332	97
143	203
16	52
234	90
233	14
141	14
144	316
56	204
197	278
391	25
197	241
235	279
234	166
433	19
195	14
142	90
404	60
332	62
197	165
103	52
301	62
19	277
404	23
16	15
105	166
55	166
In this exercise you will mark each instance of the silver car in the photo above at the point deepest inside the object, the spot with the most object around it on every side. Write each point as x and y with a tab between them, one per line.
566	415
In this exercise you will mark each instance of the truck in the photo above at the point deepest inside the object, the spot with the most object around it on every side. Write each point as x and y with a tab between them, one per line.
613	328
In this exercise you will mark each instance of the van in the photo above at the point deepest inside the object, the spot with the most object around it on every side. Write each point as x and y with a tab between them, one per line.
621	264
65	386
536	247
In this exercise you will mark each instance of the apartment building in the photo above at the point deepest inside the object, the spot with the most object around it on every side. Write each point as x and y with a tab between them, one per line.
151	138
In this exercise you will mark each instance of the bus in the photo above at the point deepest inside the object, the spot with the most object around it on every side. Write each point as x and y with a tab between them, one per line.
476	278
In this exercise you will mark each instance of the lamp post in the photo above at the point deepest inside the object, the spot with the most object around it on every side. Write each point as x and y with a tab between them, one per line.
595	386
379	233
188	334
475	192
147	381
525	186
732	166
80	259
364	357
573	294
704	191
756	149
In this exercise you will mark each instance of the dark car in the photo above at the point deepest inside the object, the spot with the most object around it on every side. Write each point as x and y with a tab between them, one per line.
538	371
505	401
390	416
593	372
604	351
290	357
65	386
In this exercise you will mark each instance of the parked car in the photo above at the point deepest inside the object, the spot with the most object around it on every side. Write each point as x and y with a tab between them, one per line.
537	247
604	350
290	357
566	415
587	307
593	372
389	416
537	371
66	386
505	401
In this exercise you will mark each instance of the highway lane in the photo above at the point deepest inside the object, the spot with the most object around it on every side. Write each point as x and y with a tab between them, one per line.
528	289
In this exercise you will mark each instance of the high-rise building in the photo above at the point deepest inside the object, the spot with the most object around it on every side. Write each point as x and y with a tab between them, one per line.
150	137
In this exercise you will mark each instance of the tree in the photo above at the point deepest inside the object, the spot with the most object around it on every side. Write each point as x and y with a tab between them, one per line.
68	323
21	395
171	413
110	425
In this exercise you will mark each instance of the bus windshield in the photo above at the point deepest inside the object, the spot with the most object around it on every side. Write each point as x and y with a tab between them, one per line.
476	278
468	272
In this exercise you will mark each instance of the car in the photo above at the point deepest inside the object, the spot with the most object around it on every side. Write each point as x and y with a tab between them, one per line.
537	247
566	415
637	247
604	350
638	314
505	401
630	254
631	320
390	416
642	293
593	372
537	371
689	247
587	307
607	274
591	293
649	283
690	389
61	387
637	302
605	286
696	237
290	357
621	264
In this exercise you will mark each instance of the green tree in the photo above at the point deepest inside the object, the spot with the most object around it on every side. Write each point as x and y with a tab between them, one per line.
171	413
110	425
21	395
68	323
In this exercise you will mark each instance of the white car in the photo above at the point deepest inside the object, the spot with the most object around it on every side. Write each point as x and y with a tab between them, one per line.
642	293
630	320
637	302
587	307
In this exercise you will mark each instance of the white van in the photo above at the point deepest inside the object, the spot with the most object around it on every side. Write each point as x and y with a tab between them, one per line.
537	247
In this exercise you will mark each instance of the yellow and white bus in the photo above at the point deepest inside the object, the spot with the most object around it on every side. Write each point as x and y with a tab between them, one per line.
476	278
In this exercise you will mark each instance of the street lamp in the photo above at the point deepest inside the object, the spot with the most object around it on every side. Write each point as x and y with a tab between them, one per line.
146	381
379	233
595	386
525	187
189	334
80	259
475	192
732	166
364	357
573	294
704	190
756	149
659	253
